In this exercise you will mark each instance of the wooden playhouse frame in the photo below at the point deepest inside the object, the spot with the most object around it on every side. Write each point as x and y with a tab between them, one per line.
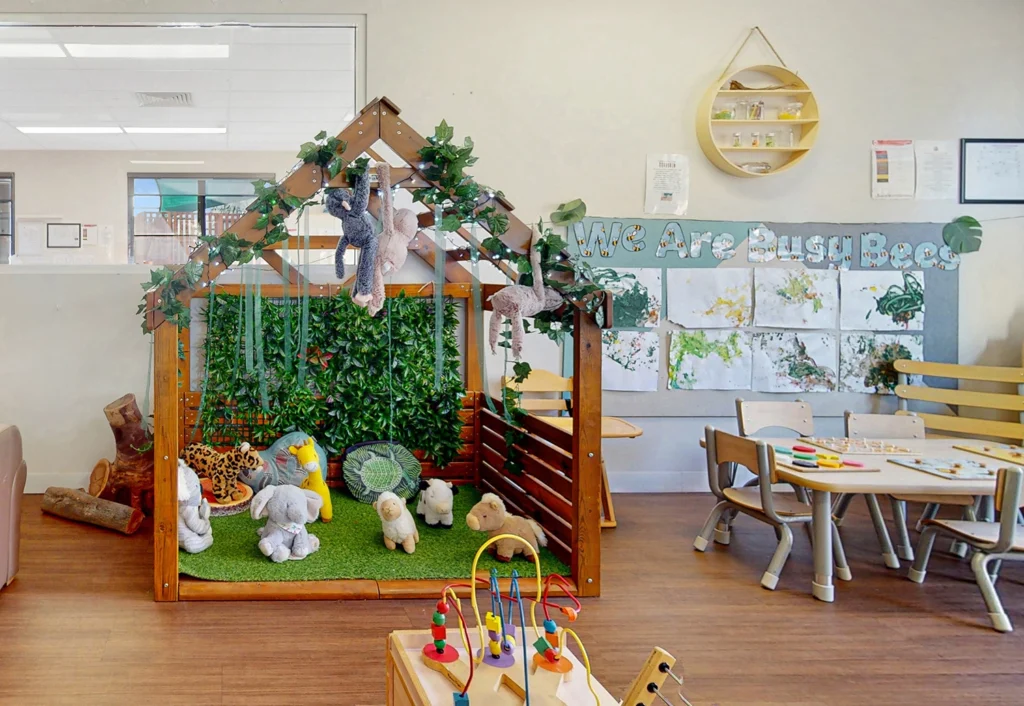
561	484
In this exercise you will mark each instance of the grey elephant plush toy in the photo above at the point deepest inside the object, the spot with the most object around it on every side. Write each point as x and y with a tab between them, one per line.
289	509
358	230
194	531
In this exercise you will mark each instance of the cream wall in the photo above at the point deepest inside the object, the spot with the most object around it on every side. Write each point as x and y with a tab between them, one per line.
564	99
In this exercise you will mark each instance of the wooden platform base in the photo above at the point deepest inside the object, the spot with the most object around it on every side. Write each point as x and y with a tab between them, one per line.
193	589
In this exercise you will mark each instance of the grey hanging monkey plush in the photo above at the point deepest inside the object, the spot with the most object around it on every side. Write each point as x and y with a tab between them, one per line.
358	230
518	300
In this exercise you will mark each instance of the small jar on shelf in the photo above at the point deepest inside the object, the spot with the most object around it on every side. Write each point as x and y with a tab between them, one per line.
769	139
792	111
756	110
755	139
741	110
737	139
726	112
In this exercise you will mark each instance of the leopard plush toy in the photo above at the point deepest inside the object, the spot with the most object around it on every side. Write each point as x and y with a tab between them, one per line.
222	468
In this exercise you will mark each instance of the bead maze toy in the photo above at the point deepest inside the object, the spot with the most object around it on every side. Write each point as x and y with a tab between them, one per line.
863	447
498	644
507	665
950	468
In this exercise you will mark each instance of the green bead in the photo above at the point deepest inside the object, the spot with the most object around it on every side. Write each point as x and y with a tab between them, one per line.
805	457
438	618
440	645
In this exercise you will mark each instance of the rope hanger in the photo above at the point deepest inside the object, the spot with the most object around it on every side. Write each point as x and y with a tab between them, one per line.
750	34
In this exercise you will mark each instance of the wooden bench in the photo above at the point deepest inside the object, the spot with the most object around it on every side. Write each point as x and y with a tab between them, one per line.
956	422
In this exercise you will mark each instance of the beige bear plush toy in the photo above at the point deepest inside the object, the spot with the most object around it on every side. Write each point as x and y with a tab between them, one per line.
489	515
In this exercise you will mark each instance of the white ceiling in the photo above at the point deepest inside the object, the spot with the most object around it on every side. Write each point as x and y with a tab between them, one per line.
277	89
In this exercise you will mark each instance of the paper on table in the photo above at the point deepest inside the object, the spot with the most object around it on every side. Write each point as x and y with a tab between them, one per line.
668	184
892	169
936	169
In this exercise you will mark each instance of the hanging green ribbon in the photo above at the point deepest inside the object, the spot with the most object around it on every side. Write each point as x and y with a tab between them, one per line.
439	260
211	307
250	305
261	367
478	314
147	396
304	321
238	336
287	306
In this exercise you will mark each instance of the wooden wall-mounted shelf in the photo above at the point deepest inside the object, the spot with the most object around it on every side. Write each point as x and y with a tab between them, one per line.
716	135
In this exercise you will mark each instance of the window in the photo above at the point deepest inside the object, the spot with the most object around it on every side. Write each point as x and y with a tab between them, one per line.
168	213
6	217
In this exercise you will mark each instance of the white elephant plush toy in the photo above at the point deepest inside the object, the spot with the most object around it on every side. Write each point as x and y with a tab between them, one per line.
289	509
194	531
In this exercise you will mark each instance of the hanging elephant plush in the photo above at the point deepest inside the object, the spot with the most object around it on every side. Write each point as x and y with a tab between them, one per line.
518	301
356	230
398	230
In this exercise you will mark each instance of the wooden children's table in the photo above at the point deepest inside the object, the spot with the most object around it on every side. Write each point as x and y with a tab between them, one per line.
611	428
410	682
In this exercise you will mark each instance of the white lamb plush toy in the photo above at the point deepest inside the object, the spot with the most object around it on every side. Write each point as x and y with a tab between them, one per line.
436	500
397	522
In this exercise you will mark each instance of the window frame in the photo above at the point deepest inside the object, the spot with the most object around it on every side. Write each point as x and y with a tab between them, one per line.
200	177
10	175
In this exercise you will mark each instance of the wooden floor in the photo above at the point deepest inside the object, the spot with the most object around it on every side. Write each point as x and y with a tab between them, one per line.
78	625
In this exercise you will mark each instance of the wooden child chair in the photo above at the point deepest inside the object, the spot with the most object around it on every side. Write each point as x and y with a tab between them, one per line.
991	541
543	382
886	426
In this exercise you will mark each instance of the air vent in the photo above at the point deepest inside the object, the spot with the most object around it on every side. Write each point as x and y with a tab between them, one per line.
164	99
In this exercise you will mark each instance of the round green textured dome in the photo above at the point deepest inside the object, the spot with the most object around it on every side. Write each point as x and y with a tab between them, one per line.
375	467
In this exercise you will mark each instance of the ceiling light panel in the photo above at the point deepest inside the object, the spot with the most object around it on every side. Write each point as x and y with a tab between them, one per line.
175	130
31	51
61	130
167	161
148	51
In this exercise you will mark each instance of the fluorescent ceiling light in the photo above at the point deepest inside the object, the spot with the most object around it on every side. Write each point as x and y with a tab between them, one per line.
148	51
70	130
175	130
167	161
31	51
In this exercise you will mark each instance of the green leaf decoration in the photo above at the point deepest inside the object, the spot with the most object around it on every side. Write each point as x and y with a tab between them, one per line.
193	272
569	213
334	167
308	151
450	224
443	132
357	168
320	135
963	234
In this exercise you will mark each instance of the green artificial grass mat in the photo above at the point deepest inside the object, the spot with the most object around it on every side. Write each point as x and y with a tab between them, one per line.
352	547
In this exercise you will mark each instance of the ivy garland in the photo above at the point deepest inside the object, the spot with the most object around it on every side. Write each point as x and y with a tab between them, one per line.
461	201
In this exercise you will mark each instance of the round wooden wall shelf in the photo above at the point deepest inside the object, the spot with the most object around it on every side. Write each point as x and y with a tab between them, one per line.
716	132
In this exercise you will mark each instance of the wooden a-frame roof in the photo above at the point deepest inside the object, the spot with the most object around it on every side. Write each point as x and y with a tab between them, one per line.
378	120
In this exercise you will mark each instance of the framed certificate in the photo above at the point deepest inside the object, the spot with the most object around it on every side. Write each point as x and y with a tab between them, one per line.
991	170
63	235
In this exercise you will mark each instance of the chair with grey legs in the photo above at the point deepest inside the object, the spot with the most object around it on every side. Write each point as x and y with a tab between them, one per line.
992	542
780	510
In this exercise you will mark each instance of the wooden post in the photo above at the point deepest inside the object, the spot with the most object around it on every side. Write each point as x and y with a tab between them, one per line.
586	455
165	453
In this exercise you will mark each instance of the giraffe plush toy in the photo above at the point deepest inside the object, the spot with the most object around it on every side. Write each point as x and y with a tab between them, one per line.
305	453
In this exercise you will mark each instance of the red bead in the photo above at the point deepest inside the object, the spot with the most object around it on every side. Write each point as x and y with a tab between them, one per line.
438	632
442	607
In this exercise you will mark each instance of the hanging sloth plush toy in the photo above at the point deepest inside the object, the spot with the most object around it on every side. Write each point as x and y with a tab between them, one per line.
518	300
357	230
398	230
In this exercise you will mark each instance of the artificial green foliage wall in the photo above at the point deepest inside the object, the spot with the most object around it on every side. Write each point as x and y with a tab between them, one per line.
345	397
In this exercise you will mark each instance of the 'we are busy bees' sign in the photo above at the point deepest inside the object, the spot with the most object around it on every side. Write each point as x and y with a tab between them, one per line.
661	243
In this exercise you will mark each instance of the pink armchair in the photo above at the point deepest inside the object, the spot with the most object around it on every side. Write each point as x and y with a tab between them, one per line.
12	486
